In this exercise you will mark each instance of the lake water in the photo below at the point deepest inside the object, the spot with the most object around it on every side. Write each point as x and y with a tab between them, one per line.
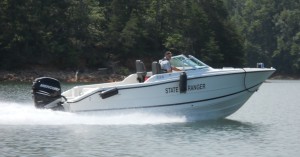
268	125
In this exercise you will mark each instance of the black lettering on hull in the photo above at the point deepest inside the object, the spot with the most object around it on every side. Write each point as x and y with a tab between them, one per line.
189	88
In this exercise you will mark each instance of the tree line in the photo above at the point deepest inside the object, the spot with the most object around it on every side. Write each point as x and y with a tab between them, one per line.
271	32
74	34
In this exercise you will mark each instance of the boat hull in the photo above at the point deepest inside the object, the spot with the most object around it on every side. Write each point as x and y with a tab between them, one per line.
212	96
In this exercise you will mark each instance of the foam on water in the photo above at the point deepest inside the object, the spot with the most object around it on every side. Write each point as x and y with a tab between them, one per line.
26	114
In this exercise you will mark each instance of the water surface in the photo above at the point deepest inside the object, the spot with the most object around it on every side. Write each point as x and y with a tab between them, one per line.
267	125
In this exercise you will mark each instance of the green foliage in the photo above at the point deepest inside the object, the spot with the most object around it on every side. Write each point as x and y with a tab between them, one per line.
82	33
123	71
271	31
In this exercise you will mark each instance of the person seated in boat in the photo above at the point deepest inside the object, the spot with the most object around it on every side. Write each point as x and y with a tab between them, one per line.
166	64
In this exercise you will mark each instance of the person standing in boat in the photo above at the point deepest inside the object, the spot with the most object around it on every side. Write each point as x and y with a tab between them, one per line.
166	64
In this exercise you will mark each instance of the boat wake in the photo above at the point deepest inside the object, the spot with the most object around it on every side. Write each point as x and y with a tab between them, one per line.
26	114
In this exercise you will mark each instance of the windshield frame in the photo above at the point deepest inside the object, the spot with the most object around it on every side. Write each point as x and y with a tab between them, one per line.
186	63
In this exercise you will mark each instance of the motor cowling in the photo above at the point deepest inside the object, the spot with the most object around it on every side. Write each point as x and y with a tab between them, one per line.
46	92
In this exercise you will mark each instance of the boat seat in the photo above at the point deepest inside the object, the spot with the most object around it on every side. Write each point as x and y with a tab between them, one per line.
156	68
140	70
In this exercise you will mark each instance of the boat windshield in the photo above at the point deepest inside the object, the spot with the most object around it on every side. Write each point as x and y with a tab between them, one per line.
184	63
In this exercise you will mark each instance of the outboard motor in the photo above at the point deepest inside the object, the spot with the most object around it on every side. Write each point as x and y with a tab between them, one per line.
46	92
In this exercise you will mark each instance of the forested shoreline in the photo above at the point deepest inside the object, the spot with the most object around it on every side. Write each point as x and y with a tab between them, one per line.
75	35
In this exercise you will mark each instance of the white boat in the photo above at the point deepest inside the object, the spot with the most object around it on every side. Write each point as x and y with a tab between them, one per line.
198	92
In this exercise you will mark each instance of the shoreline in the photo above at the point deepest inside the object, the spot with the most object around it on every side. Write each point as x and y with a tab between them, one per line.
284	77
86	76
62	76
